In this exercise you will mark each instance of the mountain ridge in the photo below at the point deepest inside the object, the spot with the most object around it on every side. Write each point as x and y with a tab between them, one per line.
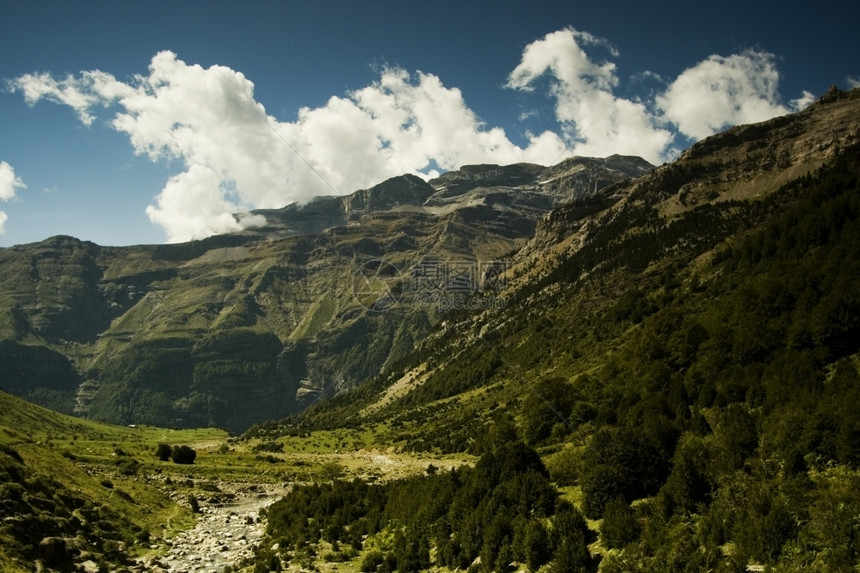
130	330
605	235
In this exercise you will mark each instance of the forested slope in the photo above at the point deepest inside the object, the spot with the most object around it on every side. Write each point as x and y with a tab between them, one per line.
686	370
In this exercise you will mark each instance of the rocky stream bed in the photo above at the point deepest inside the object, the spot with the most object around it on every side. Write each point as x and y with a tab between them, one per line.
225	535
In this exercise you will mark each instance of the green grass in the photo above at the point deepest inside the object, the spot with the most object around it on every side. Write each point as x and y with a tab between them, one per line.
320	313
109	468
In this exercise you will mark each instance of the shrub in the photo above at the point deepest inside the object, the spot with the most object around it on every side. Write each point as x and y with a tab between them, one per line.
536	545
183	454
270	446
620	526
163	452
12	454
372	561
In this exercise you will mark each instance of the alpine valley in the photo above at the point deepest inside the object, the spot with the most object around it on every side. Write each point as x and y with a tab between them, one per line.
596	365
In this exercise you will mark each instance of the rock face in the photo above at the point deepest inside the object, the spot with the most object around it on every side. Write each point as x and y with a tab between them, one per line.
470	177
406	190
524	186
742	162
238	329
579	178
325	212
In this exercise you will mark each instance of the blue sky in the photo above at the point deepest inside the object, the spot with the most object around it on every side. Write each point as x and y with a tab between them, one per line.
144	122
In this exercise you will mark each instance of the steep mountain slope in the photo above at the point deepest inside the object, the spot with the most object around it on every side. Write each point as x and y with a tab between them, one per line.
667	226
244	328
682	349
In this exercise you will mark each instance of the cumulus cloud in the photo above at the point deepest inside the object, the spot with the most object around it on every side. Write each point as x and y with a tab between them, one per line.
593	119
9	182
723	91
706	98
236	157
9	185
195	204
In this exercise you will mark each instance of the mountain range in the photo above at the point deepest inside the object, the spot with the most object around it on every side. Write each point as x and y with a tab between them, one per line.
577	293
625	367
239	329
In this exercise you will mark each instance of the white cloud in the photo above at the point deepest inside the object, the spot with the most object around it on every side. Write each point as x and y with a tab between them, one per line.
235	157
806	99
723	91
194	205
593	120
853	82
561	53
81	94
9	184
710	96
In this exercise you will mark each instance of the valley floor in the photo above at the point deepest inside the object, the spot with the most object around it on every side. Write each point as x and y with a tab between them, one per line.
77	495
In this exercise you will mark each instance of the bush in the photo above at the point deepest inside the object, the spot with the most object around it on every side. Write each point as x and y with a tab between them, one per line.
620	526
371	561
183	454
601	484
573	555
270	446
536	545
563	466
163	452
618	462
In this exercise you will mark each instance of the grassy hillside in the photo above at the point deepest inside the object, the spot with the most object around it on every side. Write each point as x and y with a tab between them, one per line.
76	491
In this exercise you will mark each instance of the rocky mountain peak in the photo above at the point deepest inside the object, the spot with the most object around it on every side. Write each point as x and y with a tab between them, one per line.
470	177
404	190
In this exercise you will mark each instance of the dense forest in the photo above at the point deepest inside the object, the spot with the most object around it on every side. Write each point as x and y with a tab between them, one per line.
695	394
502	510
